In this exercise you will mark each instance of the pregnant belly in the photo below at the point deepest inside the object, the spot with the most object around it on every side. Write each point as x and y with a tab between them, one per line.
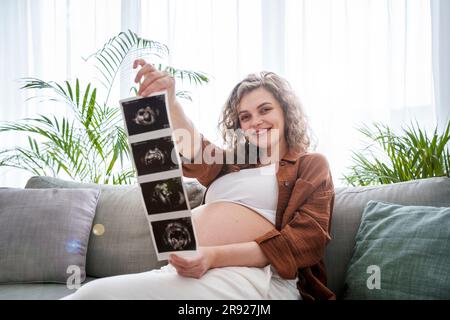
221	223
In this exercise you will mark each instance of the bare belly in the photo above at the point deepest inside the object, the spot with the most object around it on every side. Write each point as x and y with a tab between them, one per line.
222	223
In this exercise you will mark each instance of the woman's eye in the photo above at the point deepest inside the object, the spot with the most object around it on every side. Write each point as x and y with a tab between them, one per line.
244	118
265	110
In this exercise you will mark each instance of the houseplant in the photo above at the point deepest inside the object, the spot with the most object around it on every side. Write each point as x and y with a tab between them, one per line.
90	145
394	157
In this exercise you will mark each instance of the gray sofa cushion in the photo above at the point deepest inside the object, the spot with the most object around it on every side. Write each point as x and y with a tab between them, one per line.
44	232
126	244
348	208
36	291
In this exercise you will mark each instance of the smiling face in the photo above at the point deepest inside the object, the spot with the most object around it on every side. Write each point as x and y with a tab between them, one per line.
261	101
262	119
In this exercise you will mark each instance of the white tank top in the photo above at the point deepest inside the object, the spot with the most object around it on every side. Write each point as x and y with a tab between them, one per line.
255	188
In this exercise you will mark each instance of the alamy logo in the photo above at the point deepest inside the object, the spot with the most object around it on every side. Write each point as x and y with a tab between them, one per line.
374	280
74	280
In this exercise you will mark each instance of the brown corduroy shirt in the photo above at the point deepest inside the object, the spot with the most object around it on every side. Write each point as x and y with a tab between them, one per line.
296	246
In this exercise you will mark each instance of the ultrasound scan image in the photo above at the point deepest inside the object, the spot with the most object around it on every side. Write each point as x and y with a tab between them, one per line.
174	235
154	156
164	196
146	115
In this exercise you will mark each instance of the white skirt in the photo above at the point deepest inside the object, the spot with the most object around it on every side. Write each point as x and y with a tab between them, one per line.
229	283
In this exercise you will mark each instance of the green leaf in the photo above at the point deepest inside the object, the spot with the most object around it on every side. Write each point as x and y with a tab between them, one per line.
115	51
77	92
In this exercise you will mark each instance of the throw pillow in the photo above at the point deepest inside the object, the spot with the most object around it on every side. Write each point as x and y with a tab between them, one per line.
401	252
44	234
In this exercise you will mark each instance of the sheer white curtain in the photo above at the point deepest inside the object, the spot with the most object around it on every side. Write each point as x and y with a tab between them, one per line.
351	61
440	10
47	39
359	61
16	62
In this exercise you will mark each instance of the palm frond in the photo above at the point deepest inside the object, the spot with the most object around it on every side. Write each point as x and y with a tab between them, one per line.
192	77
125	177
109	59
184	95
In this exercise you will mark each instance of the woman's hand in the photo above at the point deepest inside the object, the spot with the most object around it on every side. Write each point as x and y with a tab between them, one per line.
154	81
194	267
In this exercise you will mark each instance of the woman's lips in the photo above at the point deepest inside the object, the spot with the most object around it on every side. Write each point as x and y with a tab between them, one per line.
263	132
260	132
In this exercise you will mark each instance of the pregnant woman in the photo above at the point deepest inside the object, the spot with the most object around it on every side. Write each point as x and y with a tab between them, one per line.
264	225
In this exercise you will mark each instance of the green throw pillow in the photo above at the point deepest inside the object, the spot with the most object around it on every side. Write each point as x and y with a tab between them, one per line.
401	252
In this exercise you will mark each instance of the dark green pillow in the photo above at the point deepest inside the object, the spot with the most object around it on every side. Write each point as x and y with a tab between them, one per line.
401	252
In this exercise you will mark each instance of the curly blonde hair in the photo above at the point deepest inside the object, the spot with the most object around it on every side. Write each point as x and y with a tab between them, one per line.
297	131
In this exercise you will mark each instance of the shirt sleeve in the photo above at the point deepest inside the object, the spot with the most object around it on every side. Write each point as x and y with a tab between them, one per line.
206	165
301	243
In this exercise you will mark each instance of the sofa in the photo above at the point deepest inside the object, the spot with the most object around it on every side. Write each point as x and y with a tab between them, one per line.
126	246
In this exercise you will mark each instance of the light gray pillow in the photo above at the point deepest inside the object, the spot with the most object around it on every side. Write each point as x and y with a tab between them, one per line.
44	234
126	245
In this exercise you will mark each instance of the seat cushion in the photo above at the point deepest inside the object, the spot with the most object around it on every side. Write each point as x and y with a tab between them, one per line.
36	291
349	206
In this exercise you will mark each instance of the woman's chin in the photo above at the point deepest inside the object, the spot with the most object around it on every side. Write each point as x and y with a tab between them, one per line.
263	143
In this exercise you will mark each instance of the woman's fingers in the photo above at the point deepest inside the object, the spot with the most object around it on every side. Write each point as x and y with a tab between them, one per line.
162	83
179	261
145	70
182	270
193	268
189	274
149	79
153	80
139	62
192	272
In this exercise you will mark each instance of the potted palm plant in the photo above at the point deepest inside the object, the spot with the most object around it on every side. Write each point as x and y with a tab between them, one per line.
91	145
394	157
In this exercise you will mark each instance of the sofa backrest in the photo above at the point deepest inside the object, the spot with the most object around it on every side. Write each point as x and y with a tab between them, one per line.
126	245
349	206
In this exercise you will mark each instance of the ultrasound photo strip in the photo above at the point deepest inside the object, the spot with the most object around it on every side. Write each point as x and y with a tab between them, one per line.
157	164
